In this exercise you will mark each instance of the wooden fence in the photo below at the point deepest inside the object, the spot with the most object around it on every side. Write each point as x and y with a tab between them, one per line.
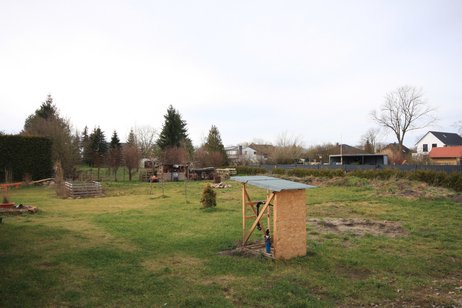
83	189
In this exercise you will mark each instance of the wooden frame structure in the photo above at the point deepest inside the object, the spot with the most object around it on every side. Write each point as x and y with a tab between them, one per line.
248	203
285	211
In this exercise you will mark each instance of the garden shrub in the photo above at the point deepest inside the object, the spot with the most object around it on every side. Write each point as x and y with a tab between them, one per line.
209	197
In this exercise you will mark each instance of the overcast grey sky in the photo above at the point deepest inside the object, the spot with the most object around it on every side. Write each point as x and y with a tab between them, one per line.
255	69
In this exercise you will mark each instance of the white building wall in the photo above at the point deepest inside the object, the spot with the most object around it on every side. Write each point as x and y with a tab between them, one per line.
249	154
429	139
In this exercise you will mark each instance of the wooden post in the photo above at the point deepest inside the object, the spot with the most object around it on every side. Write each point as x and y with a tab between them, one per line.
268	220
244	193
262	212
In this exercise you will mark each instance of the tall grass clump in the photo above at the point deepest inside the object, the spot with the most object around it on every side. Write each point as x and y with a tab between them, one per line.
434	178
382	174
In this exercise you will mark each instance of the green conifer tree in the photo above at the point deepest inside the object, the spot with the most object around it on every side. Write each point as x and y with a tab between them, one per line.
174	131
214	144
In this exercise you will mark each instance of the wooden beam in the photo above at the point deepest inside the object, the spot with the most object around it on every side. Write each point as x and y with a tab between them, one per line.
262	212
244	194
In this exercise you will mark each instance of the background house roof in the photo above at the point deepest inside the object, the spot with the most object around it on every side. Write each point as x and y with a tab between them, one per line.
394	147
446	152
264	149
446	138
348	149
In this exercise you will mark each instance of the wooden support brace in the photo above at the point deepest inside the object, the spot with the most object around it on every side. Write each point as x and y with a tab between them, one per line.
262	212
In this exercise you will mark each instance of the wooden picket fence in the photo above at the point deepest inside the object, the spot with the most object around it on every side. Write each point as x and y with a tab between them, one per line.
83	189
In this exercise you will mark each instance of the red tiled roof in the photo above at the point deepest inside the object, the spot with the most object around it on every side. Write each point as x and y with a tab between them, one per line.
447	152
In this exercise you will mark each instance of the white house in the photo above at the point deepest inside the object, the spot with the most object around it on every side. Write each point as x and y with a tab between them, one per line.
437	140
240	154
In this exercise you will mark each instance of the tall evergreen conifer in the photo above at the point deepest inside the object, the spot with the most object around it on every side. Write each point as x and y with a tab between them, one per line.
174	131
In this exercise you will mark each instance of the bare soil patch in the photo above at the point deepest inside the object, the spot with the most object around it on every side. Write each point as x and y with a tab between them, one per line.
357	227
251	250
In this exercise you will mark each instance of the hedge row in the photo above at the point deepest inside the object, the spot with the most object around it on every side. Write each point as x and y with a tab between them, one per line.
246	170
25	156
434	178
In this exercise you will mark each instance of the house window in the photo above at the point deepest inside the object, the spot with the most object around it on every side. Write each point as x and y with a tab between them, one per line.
425	148
434	145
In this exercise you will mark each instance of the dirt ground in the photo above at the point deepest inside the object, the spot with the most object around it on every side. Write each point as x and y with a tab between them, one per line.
357	227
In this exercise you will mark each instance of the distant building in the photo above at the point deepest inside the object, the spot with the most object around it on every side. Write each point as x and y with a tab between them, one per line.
358	159
395	156
434	139
349	155
263	151
241	155
446	156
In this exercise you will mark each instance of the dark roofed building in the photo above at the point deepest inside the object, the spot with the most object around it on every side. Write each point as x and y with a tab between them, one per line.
449	139
434	139
349	155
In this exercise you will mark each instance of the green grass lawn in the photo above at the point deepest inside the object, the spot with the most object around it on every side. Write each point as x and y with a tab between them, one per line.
140	246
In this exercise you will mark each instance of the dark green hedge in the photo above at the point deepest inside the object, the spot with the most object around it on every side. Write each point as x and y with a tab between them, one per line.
434	178
324	173
246	170
22	155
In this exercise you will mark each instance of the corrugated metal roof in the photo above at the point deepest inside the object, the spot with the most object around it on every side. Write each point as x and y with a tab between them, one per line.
270	183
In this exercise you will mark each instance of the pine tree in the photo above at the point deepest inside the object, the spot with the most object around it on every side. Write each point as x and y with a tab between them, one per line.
209	197
115	154
98	147
115	141
214	148
174	131
85	147
46	122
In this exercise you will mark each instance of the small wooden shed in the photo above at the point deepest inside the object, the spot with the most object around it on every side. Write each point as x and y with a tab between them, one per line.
286	204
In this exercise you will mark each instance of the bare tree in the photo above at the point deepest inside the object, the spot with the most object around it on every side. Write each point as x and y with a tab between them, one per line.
204	158
369	140
146	137
458	126
131	154
287	150
404	110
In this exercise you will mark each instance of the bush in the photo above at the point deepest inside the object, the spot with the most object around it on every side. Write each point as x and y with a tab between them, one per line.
278	171
209	197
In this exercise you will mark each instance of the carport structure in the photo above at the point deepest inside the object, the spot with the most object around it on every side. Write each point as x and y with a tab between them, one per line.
288	202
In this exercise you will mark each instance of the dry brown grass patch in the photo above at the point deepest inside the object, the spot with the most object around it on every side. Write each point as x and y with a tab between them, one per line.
357	227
